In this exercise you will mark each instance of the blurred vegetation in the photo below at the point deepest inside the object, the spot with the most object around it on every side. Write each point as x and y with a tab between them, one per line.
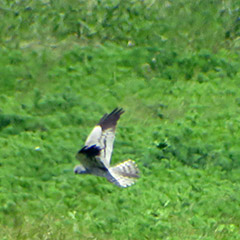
172	65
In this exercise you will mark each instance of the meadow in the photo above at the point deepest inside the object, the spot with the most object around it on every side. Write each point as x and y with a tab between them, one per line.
174	66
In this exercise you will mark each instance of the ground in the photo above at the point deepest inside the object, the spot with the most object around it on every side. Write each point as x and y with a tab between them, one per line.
172	65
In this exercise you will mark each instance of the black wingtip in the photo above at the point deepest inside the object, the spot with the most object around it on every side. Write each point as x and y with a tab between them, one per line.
90	151
118	111
110	120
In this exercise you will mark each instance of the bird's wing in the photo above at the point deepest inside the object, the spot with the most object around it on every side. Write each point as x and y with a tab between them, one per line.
89	157
108	124
103	134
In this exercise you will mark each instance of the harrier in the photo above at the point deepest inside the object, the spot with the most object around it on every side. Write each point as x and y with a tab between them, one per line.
96	154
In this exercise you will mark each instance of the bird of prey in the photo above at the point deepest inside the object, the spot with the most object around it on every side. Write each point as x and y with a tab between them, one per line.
96	154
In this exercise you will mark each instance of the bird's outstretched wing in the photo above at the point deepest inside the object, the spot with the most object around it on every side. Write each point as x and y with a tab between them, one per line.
103	135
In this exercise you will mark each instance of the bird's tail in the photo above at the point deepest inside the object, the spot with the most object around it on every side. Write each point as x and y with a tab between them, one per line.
124	174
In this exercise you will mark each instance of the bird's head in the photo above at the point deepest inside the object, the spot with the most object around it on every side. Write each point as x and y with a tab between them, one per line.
79	169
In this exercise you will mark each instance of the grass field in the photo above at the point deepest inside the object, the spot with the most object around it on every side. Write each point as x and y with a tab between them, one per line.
174	66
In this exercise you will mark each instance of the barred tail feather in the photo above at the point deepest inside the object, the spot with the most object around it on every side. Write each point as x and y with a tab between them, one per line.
124	174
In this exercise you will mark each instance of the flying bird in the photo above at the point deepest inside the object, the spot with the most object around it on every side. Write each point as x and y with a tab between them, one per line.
95	156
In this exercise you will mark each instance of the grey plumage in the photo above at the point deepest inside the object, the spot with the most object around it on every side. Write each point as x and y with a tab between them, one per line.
96	154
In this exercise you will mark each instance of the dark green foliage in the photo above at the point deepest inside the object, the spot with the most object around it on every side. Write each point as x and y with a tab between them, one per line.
172	65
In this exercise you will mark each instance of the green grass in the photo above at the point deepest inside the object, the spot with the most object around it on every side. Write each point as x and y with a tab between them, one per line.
172	65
